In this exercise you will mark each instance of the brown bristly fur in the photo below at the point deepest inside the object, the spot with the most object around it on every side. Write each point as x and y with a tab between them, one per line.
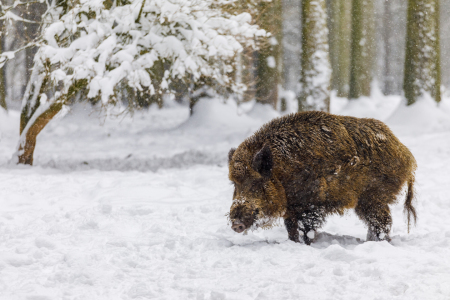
306	166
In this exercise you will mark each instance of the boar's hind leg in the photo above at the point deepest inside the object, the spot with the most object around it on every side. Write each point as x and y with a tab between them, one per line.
377	217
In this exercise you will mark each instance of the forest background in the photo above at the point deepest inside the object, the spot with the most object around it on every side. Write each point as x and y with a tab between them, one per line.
307	49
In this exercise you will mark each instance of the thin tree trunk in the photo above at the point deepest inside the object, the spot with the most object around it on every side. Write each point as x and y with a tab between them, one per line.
333	38
248	74
2	77
291	44
316	69
361	49
26	150
340	40
388	88
437	60
35	115
344	33
2	90
269	57
422	60
245	74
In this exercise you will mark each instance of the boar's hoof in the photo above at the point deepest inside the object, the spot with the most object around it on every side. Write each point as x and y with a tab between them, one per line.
373	237
238	226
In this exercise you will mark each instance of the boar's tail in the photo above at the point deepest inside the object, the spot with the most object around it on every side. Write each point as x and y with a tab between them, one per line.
408	207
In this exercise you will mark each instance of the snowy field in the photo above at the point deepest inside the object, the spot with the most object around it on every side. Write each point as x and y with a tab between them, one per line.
134	208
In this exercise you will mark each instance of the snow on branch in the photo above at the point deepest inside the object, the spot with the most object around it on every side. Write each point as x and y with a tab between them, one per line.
9	15
8	55
105	47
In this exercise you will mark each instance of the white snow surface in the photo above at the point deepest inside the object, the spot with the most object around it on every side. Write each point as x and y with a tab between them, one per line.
134	208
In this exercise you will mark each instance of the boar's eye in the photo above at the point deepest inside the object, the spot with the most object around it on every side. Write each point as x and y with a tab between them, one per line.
238	171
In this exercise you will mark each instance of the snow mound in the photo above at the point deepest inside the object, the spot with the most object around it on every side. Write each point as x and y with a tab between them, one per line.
337	104
291	101
263	112
9	120
374	107
424	116
213	114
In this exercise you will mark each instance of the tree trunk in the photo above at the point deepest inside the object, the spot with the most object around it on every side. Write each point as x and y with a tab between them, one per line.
291	44
35	115
389	83
316	70
422	60
344	32
339	37
248	74
2	70
2	90
270	55
361	61
26	150
444	30
333	8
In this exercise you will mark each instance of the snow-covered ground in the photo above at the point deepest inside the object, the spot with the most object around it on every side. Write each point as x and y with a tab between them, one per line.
134	208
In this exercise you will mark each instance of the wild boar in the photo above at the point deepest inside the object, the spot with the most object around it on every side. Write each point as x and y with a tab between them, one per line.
305	166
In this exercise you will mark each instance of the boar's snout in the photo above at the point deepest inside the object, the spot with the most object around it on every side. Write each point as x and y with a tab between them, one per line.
238	226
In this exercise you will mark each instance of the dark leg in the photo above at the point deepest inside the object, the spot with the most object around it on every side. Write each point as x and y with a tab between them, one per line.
291	224
377	217
311	219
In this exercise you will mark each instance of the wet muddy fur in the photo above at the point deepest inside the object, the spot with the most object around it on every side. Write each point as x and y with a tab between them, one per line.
306	166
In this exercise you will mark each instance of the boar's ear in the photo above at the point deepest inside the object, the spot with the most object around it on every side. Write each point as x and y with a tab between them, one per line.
263	161
230	154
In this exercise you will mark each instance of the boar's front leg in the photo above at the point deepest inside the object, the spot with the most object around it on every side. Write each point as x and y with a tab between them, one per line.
311	219
307	220
291	223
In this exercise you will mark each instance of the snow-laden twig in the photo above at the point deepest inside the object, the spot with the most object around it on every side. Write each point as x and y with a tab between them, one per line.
8	55
9	15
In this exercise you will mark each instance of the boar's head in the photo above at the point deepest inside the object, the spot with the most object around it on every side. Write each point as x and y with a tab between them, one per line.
259	198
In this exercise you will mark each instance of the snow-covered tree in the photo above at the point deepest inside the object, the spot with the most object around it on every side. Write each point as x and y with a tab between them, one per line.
422	60
361	60
91	49
316	70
